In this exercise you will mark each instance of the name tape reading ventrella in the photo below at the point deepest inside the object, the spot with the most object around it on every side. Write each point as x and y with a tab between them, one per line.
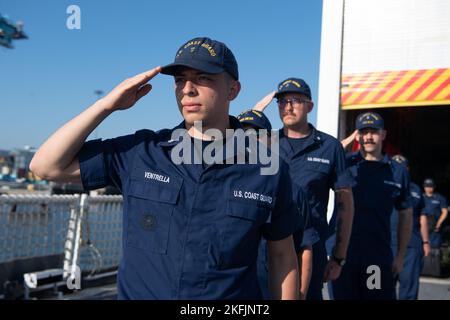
157	177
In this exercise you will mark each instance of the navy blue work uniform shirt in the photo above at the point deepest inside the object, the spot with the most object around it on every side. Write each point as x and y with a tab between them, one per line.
418	205
189	231
434	205
316	164
380	186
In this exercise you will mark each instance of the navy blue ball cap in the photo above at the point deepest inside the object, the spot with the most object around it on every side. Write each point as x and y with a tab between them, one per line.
255	118
369	120
293	85
428	183
204	54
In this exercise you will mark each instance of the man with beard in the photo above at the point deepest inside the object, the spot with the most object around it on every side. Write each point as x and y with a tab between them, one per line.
317	164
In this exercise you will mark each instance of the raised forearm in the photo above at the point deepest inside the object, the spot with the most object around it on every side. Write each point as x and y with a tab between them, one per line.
264	102
344	221
348	141
58	152
56	158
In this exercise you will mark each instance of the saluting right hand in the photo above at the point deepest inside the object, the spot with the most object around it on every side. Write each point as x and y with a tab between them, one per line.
127	93
264	102
349	140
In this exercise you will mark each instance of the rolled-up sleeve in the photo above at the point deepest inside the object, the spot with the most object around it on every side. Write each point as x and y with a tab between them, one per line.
105	162
92	165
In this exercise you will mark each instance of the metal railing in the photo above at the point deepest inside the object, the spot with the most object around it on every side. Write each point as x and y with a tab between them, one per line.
101	233
85	230
33	226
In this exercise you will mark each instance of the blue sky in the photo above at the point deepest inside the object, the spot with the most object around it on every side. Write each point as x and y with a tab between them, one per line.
51	77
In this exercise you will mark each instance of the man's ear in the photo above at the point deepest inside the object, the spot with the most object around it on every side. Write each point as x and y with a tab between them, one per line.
310	106
234	89
383	134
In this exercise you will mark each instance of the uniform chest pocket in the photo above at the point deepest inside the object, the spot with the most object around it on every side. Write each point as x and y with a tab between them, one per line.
247	211
317	167
315	176
150	209
241	230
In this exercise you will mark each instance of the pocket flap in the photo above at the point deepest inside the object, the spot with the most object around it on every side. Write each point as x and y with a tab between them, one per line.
247	210
150	191
320	167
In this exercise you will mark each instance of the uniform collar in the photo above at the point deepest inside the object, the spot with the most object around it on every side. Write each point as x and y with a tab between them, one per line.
314	132
357	156
234	124
317	138
317	135
168	142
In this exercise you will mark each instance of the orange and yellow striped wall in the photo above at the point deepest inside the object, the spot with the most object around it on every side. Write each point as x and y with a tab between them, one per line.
395	89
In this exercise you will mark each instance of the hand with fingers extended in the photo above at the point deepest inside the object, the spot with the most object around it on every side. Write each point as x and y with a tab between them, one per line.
349	140
264	102
127	93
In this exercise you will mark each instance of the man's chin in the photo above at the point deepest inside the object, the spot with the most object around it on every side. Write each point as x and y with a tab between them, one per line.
290	121
369	148
191	117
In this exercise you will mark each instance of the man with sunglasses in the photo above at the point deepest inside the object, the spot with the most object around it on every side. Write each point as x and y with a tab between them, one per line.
317	164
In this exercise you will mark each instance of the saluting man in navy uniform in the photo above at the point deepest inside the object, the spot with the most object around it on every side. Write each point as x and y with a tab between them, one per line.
437	210
305	236
190	230
418	246
381	185
317	164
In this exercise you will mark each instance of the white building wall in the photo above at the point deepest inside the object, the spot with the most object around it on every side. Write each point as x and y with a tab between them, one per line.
391	35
